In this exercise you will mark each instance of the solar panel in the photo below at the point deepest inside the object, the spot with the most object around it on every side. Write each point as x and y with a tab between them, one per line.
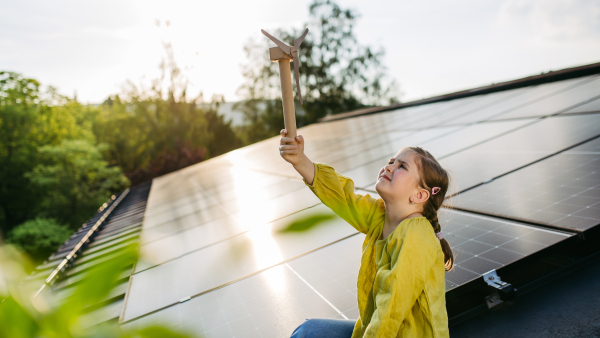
558	102
518	148
563	191
528	95
226	261
322	284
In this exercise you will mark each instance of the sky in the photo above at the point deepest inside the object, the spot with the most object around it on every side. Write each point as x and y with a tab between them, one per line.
433	47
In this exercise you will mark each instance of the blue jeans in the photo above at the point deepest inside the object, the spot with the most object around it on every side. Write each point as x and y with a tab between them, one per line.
321	328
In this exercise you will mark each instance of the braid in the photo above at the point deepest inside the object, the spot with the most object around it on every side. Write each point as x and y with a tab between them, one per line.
430	213
433	175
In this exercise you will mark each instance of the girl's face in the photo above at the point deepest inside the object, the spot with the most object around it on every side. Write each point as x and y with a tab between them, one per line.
398	180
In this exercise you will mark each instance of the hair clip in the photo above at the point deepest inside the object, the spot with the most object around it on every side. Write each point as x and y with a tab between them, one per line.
439	235
433	191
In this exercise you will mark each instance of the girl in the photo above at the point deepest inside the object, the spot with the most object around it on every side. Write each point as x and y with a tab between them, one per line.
401	288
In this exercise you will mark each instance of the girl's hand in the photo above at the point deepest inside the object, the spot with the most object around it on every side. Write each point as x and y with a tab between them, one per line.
291	150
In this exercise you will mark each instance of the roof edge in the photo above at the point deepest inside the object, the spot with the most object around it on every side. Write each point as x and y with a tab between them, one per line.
551	76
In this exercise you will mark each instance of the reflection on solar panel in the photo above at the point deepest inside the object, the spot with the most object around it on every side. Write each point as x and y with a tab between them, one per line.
211	230
563	191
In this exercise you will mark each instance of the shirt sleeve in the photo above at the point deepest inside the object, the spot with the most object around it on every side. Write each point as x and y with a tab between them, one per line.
399	284
337	192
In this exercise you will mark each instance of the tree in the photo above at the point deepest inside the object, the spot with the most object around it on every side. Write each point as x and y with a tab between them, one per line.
222	137
30	119
39	237
74	180
336	73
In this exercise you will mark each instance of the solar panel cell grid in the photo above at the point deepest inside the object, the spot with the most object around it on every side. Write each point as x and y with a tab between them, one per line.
521	147
560	191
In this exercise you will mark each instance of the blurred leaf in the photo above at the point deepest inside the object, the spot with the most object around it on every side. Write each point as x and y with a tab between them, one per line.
15	321
103	278
307	223
160	332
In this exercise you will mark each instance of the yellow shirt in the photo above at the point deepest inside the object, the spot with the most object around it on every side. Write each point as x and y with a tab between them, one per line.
401	288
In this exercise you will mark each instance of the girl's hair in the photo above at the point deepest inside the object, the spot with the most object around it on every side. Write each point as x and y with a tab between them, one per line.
433	175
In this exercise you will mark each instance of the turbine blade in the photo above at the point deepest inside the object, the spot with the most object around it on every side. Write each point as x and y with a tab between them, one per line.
286	49
297	76
299	40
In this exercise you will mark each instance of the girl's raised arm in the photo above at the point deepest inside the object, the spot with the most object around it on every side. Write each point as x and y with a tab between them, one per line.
293	152
334	190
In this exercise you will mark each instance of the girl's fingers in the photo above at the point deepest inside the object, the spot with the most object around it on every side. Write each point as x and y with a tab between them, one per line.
283	132
287	152
288	147
285	140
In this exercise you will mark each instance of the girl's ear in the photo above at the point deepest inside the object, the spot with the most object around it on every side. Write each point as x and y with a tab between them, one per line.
421	196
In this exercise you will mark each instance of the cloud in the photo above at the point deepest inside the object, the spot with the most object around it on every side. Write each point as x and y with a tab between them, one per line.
557	20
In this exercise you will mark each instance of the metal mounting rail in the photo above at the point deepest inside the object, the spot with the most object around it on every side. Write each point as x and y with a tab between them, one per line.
82	242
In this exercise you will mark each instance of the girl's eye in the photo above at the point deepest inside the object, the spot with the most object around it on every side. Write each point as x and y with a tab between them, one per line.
402	166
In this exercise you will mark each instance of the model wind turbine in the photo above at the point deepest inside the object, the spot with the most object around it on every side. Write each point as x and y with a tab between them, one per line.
283	54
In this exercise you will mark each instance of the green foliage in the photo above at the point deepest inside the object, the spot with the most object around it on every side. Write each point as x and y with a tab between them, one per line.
23	315
30	119
39	237
336	74
263	119
74	180
61	159
222	137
